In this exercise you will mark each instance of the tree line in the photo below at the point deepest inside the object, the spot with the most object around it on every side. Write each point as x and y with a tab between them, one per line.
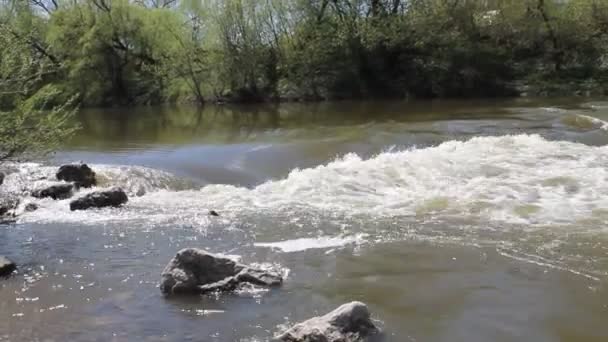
123	52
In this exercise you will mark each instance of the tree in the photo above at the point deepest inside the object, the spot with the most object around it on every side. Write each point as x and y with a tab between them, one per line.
130	52
29	123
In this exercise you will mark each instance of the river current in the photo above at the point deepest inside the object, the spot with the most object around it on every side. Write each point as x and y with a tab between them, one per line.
453	220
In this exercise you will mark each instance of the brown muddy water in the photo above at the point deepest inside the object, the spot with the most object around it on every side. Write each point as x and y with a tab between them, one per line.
453	220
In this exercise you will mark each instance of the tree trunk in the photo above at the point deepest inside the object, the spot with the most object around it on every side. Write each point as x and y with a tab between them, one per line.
557	53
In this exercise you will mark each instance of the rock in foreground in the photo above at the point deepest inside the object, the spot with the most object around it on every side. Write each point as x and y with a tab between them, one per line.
56	192
194	271
111	198
6	267
80	174
349	323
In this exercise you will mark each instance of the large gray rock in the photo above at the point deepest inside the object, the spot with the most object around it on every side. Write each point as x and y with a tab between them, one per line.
349	323
80	174
6	267
194	271
56	192
111	198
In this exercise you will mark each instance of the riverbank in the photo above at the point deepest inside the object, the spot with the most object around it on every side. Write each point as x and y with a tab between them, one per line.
526	88
230	51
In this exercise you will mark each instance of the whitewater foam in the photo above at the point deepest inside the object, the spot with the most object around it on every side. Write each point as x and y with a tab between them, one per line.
522	179
135	180
322	242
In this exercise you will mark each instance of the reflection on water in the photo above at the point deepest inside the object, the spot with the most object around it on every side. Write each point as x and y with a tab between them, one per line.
247	145
454	220
230	124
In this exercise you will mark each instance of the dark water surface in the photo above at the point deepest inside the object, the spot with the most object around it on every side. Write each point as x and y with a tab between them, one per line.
454	220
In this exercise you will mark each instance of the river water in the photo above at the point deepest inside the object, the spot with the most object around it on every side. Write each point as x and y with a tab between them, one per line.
453	220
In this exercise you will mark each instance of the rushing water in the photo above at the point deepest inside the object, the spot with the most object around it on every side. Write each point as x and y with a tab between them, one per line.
454	221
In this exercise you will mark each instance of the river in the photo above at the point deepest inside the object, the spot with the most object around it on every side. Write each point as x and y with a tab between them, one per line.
477	220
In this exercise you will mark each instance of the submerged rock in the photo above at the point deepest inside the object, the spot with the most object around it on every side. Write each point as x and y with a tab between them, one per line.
349	323
213	213
141	191
6	267
194	271
56	192
30	207
111	198
80	174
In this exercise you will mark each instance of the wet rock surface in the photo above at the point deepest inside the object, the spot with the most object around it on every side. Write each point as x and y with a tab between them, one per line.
349	323
80	174
195	271
8	203
6	267
110	198
56	192
30	207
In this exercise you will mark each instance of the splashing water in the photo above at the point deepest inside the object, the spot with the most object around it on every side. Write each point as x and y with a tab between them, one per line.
522	179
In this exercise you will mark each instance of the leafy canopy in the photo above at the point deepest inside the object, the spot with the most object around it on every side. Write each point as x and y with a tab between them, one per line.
29	122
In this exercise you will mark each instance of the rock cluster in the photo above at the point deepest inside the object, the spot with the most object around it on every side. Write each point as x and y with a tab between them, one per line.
72	177
194	271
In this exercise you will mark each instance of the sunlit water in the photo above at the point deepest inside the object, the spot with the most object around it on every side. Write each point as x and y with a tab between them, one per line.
454	221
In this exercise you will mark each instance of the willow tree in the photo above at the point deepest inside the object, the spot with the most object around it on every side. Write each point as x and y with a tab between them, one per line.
125	52
30	124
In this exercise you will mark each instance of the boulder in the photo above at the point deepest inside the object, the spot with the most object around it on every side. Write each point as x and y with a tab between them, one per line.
349	323
8	204
6	267
80	174
194	271
111	198
56	192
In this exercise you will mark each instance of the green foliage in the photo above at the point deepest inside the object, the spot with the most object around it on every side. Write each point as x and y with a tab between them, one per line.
25	132
138	51
32	121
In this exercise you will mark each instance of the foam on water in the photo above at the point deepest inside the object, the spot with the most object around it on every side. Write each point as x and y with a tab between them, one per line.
552	264
322	242
522	179
553	109
23	178
135	180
